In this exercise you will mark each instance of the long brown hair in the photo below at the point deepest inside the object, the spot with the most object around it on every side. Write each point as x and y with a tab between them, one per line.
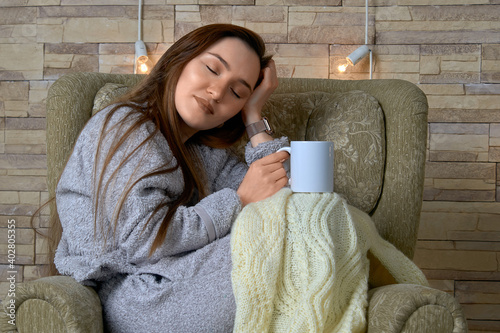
153	100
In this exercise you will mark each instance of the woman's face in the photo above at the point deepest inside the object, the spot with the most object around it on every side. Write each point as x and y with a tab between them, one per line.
214	86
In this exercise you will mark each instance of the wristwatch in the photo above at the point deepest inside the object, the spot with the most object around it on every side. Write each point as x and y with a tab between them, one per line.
258	127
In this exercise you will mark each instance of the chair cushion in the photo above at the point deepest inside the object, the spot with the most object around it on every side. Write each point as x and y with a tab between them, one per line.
106	95
353	120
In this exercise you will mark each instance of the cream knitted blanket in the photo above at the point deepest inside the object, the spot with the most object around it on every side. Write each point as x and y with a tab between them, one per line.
300	264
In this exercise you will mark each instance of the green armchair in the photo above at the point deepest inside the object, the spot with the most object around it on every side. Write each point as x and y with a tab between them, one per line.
380	130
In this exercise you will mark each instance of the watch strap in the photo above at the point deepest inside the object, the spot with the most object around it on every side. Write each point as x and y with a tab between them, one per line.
259	127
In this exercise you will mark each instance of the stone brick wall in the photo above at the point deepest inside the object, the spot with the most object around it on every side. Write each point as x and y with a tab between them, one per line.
450	48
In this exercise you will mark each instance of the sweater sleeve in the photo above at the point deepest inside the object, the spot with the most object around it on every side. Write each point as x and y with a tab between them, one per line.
131	200
225	172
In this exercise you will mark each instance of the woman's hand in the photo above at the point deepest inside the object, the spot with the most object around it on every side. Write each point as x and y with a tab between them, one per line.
251	111
264	178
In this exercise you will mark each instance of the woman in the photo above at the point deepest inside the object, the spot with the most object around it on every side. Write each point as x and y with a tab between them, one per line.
149	194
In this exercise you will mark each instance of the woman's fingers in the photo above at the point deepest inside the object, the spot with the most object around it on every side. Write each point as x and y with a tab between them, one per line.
264	178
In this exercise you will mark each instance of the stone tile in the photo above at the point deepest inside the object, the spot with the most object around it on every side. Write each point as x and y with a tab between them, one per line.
310	25
275	14
494	154
104	30
11	161
475	236
477	246
460	170
459	142
498	173
443	285
300	60
437	226
463	184
49	33
479	261
482	311
88	11
34	272
24	61
455	13
18	34
396	13
18	15
117	48
445	128
451	114
442	89
71	48
482	89
21	183
123	64
44	2
458	195
20	221
476	326
298	2
415	2
226	2
27	172
23	237
461	207
24	254
35	149
56	66
9	197
430	65
495	130
7	270
451	78
443	274
466	102
491	63
24	137
211	14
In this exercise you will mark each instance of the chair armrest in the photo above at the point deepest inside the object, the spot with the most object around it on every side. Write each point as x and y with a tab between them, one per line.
413	308
54	304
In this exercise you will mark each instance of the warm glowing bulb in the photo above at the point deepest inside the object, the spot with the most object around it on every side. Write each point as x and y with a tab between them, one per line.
342	68
143	68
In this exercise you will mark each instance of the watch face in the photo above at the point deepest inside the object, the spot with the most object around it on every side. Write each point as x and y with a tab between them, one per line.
269	130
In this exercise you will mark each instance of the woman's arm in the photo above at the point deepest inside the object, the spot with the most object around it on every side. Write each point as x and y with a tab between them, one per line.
252	111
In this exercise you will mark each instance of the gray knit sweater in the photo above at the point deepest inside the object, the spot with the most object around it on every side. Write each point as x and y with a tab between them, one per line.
186	285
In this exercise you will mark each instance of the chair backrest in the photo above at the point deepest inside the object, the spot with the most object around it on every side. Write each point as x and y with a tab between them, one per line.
379	128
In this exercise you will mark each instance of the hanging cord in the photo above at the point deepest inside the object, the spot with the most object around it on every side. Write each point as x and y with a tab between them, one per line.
139	21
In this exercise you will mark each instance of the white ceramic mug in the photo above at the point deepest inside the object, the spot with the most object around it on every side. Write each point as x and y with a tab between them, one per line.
311	166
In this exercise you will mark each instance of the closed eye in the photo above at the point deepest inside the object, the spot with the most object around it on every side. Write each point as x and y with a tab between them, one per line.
235	94
211	70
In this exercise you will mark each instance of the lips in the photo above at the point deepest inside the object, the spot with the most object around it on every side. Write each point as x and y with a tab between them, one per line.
204	105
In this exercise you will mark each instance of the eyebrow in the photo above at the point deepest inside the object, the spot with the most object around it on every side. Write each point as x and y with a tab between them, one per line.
224	62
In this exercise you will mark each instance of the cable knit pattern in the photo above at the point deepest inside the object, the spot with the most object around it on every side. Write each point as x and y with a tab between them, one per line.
300	264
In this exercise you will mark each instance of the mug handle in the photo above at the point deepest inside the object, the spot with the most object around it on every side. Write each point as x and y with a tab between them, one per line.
287	149
286	165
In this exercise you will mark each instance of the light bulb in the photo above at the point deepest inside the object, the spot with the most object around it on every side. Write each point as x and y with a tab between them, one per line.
143	68
142	63
342	68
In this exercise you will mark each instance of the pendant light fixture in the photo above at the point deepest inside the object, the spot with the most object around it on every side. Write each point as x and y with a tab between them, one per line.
361	51
142	63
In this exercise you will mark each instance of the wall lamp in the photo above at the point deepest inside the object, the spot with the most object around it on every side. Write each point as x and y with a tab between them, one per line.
142	63
360	52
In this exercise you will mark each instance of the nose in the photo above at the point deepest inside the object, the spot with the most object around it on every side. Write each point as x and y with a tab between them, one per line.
216	91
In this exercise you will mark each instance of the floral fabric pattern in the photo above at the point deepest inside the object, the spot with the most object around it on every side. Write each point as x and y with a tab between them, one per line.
354	121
